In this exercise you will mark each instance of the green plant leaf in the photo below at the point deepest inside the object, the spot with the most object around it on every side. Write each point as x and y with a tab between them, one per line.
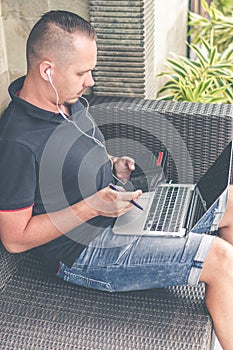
199	54
228	53
165	97
202	86
218	73
205	6
191	63
207	45
163	74
176	64
224	66
213	55
229	92
216	21
179	71
217	100
171	88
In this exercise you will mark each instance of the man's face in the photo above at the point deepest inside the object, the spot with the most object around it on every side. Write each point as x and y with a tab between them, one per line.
72	80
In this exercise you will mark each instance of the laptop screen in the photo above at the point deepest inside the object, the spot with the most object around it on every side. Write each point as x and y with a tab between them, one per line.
217	177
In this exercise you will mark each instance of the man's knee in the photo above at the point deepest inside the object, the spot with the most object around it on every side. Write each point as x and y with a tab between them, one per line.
218	263
230	197
227	219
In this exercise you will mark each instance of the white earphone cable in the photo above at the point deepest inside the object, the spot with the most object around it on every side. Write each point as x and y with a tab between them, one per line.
98	142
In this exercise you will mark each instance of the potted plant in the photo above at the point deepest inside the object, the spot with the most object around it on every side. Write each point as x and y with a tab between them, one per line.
216	21
208	78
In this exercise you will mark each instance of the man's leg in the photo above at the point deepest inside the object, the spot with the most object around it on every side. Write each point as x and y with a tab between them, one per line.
226	224
217	273
132	263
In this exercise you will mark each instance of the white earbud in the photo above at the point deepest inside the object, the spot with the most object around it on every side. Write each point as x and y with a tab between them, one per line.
48	72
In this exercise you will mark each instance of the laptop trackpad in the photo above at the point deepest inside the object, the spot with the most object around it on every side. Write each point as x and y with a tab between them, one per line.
133	221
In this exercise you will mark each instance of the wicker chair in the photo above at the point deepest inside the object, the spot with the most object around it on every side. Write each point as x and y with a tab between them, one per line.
39	311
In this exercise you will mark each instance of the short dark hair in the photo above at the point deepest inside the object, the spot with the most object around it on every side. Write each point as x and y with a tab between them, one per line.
52	33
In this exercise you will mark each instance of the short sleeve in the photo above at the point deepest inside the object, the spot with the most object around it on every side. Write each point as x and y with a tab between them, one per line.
17	176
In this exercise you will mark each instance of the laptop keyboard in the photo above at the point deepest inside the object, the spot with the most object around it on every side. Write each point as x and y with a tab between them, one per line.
167	209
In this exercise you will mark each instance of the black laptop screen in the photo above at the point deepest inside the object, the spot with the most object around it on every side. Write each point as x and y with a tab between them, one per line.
217	177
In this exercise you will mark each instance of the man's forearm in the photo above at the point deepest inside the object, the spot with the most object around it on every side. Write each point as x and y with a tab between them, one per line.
20	232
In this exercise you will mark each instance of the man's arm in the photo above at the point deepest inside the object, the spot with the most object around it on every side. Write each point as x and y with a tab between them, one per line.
20	231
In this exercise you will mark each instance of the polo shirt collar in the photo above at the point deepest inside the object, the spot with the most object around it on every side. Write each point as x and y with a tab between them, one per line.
33	110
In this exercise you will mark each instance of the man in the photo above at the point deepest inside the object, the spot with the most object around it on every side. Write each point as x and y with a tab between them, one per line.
55	193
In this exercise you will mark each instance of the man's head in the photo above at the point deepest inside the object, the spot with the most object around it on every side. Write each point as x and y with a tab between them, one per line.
64	45
53	36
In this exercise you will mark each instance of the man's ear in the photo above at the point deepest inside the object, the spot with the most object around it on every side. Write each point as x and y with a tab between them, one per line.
45	69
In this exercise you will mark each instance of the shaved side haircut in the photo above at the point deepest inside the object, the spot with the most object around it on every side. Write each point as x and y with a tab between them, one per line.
53	35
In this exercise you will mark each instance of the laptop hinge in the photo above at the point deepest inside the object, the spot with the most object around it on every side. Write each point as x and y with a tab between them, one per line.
190	210
193	207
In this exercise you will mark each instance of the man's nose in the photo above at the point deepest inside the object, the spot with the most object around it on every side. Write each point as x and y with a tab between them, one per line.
89	81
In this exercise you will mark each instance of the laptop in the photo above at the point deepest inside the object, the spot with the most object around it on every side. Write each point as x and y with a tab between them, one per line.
176	209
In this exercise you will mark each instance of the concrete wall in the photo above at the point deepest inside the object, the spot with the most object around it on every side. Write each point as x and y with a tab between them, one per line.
18	17
16	20
4	76
170	32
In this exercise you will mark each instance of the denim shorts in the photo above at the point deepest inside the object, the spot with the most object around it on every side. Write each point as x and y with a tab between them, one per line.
123	263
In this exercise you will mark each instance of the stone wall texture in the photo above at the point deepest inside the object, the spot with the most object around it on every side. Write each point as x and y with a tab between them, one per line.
16	21
18	17
4	73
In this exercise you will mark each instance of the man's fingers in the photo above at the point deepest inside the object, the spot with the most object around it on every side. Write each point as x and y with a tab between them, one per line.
130	162
128	196
136	194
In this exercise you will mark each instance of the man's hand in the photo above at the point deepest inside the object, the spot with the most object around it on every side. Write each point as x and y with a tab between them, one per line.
123	166
108	202
21	231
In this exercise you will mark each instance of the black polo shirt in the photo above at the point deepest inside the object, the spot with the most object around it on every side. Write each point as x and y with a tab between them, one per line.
48	163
